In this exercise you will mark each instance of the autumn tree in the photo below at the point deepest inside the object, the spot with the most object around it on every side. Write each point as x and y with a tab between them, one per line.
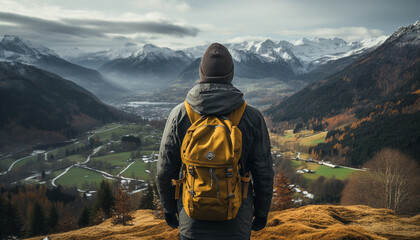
391	181
99	216
66	223
121	212
283	194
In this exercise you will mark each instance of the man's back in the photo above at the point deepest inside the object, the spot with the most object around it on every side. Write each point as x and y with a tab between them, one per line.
218	99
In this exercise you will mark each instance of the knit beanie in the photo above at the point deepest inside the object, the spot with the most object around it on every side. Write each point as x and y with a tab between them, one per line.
216	65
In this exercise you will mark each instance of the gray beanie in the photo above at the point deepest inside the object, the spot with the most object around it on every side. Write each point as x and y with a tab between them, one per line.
216	65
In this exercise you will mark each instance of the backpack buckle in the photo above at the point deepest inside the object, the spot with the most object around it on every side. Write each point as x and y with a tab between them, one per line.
191	170
191	192
231	195
229	172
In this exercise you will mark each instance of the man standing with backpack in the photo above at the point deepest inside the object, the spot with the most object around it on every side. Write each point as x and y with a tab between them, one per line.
214	173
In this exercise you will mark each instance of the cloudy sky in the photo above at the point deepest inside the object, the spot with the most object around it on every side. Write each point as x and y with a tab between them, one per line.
101	24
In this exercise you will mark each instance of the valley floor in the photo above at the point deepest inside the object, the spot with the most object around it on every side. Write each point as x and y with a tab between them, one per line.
308	222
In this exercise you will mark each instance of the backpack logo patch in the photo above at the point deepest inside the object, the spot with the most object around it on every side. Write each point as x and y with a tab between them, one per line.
210	155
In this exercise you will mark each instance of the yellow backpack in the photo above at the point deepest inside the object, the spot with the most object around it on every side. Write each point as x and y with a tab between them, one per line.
210	152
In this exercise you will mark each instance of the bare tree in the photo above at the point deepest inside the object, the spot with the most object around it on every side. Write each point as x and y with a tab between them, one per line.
392	181
122	209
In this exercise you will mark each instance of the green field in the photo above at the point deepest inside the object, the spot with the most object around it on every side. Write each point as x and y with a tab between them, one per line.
317	141
106	127
78	176
26	160
56	173
5	163
76	158
117	160
139	169
61	152
296	163
339	173
121	130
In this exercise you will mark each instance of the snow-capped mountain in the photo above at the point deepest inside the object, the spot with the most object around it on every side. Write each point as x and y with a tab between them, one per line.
95	60
303	59
408	35
302	55
149	67
16	49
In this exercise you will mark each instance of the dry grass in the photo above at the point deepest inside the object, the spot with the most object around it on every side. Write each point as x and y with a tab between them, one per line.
309	222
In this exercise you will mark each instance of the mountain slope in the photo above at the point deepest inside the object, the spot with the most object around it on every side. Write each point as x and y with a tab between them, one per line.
15	49
310	222
378	86
36	105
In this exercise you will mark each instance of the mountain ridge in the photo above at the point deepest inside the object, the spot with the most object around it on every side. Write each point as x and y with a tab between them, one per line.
38	106
16	49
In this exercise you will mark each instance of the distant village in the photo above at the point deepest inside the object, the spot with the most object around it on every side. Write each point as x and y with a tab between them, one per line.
296	188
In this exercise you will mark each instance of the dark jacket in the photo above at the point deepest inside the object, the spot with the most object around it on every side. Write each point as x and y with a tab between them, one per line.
218	99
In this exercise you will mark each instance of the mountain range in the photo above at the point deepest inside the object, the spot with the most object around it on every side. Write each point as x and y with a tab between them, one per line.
16	49
371	104
155	67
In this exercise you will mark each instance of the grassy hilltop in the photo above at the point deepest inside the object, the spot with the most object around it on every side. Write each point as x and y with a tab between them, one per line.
309	222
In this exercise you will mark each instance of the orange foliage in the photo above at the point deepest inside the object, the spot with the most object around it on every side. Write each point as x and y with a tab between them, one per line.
340	120
337	146
417	91
346	79
282	196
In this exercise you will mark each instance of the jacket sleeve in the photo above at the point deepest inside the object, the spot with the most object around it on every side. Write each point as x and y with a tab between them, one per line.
261	168
169	162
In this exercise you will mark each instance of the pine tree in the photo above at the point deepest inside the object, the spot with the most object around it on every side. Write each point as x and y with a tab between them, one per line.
3	219
146	201
37	220
121	210
14	221
10	220
53	219
105	199
283	194
84	219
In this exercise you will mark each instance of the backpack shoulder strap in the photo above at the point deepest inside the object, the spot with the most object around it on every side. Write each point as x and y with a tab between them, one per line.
192	115
236	115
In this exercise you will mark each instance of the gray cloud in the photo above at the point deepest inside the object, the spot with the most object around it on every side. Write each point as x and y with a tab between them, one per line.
96	28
